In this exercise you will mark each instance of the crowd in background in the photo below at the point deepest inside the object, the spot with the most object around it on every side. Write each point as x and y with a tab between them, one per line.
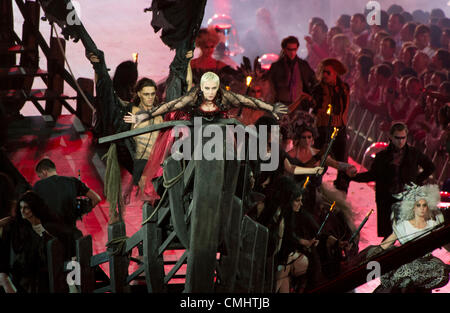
398	69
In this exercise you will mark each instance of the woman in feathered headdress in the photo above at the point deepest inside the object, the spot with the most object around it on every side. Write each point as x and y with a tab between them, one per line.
416	215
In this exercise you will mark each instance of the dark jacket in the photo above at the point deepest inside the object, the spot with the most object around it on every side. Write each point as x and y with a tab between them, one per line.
338	97
279	78
382	172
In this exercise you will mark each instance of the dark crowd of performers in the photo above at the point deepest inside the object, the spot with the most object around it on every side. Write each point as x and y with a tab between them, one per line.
398	70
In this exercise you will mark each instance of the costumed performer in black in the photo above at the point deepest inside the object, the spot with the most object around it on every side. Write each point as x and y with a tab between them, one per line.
399	164
32	227
265	180
300	128
293	239
319	196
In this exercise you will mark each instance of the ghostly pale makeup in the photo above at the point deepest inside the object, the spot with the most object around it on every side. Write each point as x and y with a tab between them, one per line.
147	96
25	210
209	89
398	138
421	208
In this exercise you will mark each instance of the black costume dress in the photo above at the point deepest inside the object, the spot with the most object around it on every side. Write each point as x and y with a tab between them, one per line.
310	195
23	254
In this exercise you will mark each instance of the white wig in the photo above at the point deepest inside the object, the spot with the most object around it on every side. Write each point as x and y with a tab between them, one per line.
414	193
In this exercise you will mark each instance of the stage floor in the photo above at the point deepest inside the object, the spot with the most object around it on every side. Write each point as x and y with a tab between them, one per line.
71	147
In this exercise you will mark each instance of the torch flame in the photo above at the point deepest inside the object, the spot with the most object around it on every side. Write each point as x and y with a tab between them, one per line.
329	109
334	132
135	57
332	206
306	182
227	88
248	80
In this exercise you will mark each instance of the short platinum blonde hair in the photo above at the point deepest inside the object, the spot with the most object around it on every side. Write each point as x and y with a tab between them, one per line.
209	77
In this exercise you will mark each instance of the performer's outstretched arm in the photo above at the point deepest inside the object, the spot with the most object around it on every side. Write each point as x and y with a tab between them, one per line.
371	174
389	241
236	100
364	177
349	169
298	170
164	108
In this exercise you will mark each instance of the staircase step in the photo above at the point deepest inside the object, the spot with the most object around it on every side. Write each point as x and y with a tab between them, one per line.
21	71
33	94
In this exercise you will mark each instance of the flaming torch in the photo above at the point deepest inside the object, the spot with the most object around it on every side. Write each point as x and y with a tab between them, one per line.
360	227
330	118
248	81
135	57
330	107
306	182
326	218
327	152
